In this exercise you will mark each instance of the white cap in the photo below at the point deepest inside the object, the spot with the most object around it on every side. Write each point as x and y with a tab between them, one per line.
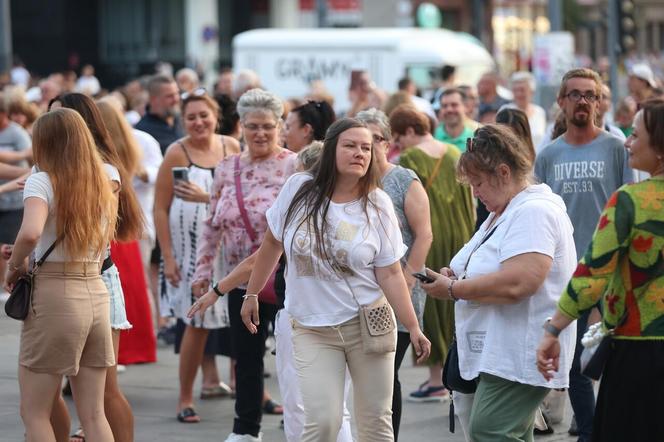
643	71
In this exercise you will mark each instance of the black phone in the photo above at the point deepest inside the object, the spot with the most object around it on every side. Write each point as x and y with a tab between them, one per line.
423	278
180	174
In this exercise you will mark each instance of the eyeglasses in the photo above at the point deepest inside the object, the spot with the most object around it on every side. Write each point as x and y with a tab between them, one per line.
378	138
576	96
198	92
257	127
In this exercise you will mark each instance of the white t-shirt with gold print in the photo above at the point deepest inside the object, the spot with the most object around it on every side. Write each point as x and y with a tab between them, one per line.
315	294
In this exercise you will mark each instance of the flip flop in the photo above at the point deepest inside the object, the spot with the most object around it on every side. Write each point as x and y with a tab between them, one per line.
271	407
219	391
79	436
188	416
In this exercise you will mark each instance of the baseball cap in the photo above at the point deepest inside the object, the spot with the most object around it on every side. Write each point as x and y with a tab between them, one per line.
643	71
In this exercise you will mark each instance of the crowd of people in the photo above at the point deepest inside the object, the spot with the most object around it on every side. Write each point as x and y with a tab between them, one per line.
472	224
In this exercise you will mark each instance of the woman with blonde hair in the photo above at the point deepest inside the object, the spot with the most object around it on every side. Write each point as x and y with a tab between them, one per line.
138	345
129	227
69	204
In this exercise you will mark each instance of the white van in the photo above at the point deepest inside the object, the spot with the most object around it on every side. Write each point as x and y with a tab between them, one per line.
287	60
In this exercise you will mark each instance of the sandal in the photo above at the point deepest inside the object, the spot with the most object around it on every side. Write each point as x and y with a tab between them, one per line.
271	407
79	436
219	391
429	394
188	416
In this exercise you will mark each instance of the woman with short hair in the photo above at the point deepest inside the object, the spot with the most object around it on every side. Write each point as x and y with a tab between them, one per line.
503	284
236	222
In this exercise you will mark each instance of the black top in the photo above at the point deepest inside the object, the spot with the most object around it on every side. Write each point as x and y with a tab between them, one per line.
160	129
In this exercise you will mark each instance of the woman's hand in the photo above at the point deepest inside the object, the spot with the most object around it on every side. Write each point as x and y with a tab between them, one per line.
12	275
200	287
439	287
249	314
421	345
172	272
190	192
202	304
548	356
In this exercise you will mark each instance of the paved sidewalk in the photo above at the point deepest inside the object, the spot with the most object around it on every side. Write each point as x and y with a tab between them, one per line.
152	392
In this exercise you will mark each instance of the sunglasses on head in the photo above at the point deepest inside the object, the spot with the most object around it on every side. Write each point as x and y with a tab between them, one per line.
198	92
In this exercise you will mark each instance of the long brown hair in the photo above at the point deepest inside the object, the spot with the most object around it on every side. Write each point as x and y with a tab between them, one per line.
313	198
120	133
85	208
130	216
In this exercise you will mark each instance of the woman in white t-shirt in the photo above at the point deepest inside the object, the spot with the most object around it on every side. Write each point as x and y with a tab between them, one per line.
506	280
68	204
342	242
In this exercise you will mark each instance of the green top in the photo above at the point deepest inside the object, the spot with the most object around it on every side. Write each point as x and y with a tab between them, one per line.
623	268
451	203
460	141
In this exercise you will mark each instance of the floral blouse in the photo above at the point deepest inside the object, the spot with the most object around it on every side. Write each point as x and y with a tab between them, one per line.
623	267
261	182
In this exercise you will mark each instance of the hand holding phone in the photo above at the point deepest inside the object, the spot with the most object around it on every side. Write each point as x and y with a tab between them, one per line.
180	174
423	277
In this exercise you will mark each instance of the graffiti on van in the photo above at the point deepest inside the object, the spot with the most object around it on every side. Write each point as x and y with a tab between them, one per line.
311	69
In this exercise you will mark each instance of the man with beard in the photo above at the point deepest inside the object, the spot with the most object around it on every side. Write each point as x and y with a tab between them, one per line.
584	166
455	128
161	116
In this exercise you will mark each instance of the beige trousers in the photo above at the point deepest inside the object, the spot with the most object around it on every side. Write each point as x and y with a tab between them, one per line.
322	355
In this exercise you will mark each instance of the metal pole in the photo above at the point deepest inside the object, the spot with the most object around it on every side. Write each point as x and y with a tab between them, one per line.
478	19
612	46
321	7
556	15
5	36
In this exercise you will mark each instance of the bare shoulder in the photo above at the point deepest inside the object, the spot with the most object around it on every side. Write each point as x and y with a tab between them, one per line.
232	145
175	154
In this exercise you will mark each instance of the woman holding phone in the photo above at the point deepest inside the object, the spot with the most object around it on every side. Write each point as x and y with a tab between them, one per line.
179	209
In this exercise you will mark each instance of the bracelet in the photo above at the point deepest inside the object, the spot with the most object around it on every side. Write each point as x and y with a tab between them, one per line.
249	296
13	267
449	291
217	291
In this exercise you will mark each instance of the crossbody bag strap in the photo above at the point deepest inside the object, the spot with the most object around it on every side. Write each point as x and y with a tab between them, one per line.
240	201
45	255
352	293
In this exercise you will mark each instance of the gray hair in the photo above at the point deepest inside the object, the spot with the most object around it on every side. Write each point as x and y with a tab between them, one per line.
156	82
258	100
188	73
377	117
245	80
310	154
526	77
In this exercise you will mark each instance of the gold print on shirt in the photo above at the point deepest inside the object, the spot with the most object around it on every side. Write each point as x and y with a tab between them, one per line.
305	250
346	231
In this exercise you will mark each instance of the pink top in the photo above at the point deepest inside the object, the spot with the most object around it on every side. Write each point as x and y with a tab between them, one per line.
261	183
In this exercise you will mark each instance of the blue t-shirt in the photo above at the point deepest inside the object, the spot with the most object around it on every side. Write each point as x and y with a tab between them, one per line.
585	176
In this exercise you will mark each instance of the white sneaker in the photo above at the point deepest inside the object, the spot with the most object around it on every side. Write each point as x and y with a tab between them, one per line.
244	438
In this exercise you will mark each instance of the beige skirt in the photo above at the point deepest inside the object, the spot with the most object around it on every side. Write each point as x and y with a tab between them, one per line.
68	325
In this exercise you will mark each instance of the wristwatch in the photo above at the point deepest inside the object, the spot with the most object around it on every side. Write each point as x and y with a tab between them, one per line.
550	328
217	291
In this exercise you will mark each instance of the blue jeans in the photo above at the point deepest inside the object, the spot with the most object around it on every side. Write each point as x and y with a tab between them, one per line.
581	393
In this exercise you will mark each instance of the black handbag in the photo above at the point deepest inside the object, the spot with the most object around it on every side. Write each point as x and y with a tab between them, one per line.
595	364
20	301
452	379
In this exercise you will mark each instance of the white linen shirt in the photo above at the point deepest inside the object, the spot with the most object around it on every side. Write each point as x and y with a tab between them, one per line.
502	339
315	295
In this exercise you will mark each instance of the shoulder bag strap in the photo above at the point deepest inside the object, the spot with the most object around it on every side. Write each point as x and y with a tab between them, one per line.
435	172
45	255
240	201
